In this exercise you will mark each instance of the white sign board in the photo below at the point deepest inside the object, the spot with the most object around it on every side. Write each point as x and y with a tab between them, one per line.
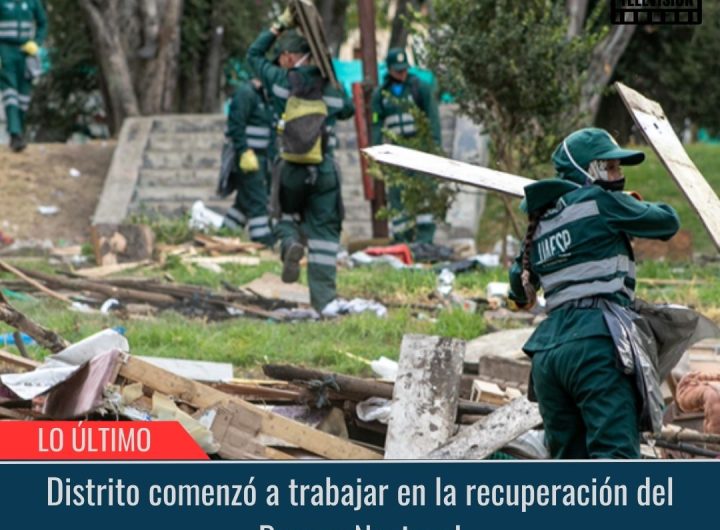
447	169
650	118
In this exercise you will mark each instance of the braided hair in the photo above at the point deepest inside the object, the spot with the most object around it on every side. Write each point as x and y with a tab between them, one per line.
533	222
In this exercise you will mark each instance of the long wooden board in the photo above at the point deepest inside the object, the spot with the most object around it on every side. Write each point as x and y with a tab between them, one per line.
425	396
650	118
497	430
452	170
203	396
311	25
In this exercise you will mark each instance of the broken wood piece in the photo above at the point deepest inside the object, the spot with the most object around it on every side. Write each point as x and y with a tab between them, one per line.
425	396
107	270
227	245
43	336
657	130
37	285
447	169
352	387
114	243
484	438
18	361
235	431
512	371
203	396
271	287
486	392
247	261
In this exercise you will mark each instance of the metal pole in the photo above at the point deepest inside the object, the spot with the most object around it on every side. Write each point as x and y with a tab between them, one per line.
366	10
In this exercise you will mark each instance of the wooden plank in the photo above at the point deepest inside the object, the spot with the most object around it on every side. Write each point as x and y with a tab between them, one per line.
203	396
484	438
447	169
15	360
425	396
650	118
124	171
311	25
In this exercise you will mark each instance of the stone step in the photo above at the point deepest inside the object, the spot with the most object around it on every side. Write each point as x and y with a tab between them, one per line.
177	208
189	124
181	160
186	142
178	177
149	194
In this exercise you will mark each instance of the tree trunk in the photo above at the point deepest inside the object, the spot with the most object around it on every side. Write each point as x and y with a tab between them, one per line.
400	30
137	43
602	65
577	11
213	57
333	13
102	16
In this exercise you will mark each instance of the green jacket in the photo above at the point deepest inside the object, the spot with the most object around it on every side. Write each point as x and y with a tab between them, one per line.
22	21
249	124
275	80
390	111
581	249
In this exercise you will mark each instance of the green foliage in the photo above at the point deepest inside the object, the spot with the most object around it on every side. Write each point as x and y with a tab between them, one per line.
419	193
66	99
679	66
513	69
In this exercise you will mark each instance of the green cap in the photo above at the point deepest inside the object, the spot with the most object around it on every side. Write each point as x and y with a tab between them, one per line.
292	42
397	59
573	156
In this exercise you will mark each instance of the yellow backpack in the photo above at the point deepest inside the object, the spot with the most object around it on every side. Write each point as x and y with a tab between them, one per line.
302	128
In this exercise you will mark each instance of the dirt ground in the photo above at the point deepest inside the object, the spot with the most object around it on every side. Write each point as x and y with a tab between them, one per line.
41	176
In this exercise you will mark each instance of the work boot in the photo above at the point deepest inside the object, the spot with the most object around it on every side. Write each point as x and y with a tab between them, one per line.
17	143
291	262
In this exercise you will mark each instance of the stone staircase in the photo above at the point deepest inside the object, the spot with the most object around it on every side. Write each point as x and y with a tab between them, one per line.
163	164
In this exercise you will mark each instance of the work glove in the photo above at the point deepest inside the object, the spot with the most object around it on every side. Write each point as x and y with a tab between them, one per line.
249	162
286	20
30	47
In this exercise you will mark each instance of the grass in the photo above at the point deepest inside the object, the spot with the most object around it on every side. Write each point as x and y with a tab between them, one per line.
650	179
337	345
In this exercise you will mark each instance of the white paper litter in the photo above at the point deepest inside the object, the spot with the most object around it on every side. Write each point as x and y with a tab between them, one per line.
356	305
202	217
374	409
48	210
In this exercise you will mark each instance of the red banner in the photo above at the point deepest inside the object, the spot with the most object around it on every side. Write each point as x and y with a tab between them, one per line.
97	440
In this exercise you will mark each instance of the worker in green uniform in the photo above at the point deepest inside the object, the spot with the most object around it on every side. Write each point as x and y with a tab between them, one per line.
23	27
577	249
307	194
391	104
249	128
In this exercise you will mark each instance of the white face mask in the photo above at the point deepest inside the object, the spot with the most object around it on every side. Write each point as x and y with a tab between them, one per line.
598	170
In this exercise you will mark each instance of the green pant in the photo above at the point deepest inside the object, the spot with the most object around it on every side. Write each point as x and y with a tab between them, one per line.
311	212
589	408
404	228
14	87
251	204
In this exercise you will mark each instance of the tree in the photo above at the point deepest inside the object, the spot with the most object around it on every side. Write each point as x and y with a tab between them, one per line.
679	66
513	68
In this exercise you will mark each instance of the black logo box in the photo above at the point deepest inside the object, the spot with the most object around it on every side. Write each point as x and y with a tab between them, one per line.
680	12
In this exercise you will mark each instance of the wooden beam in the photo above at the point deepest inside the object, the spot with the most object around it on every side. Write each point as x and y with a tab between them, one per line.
447	169
16	360
484	438
425	396
650	118
203	396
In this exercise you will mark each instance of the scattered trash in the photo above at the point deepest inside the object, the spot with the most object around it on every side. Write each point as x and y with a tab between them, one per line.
374	409
401	252
363	258
297	314
203	218
429	253
48	210
356	305
497	290
8	339
108	305
82	308
385	368
74	173
445	282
